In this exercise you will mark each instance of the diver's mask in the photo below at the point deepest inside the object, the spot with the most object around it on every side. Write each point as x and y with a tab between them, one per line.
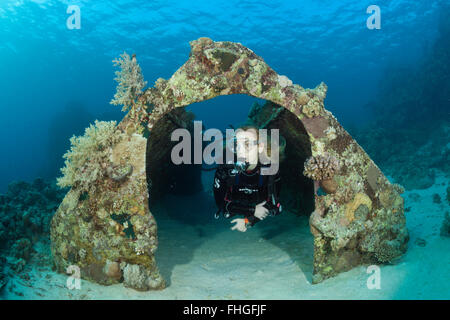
240	164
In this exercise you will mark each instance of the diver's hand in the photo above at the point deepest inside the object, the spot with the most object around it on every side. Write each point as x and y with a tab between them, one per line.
260	211
240	225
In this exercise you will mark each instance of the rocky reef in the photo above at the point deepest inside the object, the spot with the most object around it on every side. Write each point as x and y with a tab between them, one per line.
26	210
410	110
25	213
445	229
422	153
3	277
104	225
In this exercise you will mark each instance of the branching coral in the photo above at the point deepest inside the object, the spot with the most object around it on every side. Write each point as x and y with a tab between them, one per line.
88	157
130	81
322	168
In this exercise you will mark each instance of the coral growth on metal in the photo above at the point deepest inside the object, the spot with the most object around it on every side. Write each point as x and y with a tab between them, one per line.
361	221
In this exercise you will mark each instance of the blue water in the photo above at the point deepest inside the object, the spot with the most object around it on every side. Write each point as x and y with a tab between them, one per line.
55	81
389	87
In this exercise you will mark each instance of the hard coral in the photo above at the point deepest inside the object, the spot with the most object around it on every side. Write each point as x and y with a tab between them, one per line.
26	210
387	251
130	81
141	279
351	208
313	107
284	81
119	172
88	157
322	167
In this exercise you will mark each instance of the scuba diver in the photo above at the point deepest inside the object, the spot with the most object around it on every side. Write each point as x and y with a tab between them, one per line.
241	189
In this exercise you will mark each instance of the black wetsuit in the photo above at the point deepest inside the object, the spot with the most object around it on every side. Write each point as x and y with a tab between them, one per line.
239	193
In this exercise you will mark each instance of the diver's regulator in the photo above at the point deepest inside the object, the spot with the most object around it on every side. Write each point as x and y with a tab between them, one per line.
240	166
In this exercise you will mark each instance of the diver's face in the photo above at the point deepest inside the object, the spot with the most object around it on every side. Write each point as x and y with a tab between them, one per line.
247	148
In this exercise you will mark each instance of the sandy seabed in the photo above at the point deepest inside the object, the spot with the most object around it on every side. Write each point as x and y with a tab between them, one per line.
201	258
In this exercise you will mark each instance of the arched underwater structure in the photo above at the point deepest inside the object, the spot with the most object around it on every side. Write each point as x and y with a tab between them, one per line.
108	231
297	194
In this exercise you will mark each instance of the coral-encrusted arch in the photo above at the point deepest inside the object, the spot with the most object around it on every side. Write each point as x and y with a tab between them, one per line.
362	221
223	68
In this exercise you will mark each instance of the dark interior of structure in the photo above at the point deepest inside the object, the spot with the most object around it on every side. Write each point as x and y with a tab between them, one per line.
164	177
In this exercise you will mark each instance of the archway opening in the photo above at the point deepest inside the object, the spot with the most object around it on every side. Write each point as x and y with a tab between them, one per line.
182	201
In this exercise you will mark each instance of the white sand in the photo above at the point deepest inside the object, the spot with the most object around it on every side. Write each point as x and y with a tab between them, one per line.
201	258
